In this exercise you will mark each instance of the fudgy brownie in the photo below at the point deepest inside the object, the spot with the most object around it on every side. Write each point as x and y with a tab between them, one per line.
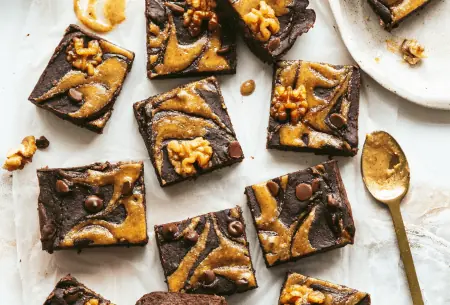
208	254
300	289
97	205
270	28
301	214
314	108
392	12
187	131
69	291
178	298
83	79
185	38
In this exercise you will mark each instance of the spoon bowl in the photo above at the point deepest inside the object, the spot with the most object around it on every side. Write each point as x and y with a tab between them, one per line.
385	172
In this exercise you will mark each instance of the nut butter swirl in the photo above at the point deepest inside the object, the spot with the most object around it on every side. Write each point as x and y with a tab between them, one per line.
101	232
113	10
402	8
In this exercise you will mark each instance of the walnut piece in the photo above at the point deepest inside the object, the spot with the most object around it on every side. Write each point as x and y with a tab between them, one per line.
262	21
289	103
18	157
184	154
198	11
84	59
299	295
412	51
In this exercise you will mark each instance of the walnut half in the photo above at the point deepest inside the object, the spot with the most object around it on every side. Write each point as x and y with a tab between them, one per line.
184	154
412	51
198	11
262	21
299	295
289	103
84	59
17	158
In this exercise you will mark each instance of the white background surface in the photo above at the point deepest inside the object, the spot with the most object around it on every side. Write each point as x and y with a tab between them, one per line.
123	275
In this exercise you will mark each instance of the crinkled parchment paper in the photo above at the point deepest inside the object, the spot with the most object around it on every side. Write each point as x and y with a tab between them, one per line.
124	275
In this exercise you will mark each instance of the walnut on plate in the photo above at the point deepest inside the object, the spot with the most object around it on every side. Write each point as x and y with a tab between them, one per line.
200	10
84	59
184	154
262	21
289	103
412	51
17	158
299	295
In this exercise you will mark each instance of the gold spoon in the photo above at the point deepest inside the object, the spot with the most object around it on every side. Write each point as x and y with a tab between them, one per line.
385	173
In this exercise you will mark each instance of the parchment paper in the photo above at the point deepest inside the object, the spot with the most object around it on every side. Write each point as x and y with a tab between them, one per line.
124	275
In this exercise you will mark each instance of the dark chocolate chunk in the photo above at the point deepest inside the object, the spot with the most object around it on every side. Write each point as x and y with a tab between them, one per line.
93	204
75	95
192	237
174	7
302	205
337	120
235	150
62	186
213	248
127	188
274	44
273	187
169	231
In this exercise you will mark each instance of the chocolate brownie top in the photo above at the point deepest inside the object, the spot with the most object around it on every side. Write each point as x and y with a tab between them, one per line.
313	291
175	298
301	213
69	291
315	106
96	205
83	76
188	131
207	254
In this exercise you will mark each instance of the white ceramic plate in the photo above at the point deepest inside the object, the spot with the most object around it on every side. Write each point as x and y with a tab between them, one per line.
427	84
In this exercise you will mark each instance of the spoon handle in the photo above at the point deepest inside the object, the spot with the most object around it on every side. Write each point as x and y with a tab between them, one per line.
405	254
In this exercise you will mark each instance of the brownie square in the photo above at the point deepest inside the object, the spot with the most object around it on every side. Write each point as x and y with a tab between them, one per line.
177	298
69	291
285	21
189	38
97	205
391	13
314	108
187	131
301	214
83	79
207	254
313	291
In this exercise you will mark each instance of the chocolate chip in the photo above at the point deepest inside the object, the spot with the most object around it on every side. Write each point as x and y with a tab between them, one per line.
315	184
62	187
274	44
235	228
223	50
54	82
93	204
383	11
48	230
191	237
127	188
242	284
73	297
75	95
338	120
174	8
208	277
320	168
331	201
42	142
303	191
273	187
169	231
235	150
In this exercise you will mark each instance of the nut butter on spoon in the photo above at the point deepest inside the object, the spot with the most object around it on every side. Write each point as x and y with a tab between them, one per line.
386	175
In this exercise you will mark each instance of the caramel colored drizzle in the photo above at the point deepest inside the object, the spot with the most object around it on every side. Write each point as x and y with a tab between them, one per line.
108	47
301	245
344	295
244	7
176	127
277	247
178	57
405	7
101	232
230	259
113	10
177	279
211	61
315	75
97	89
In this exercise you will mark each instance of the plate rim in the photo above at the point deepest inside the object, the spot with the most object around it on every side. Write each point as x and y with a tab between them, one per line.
336	9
